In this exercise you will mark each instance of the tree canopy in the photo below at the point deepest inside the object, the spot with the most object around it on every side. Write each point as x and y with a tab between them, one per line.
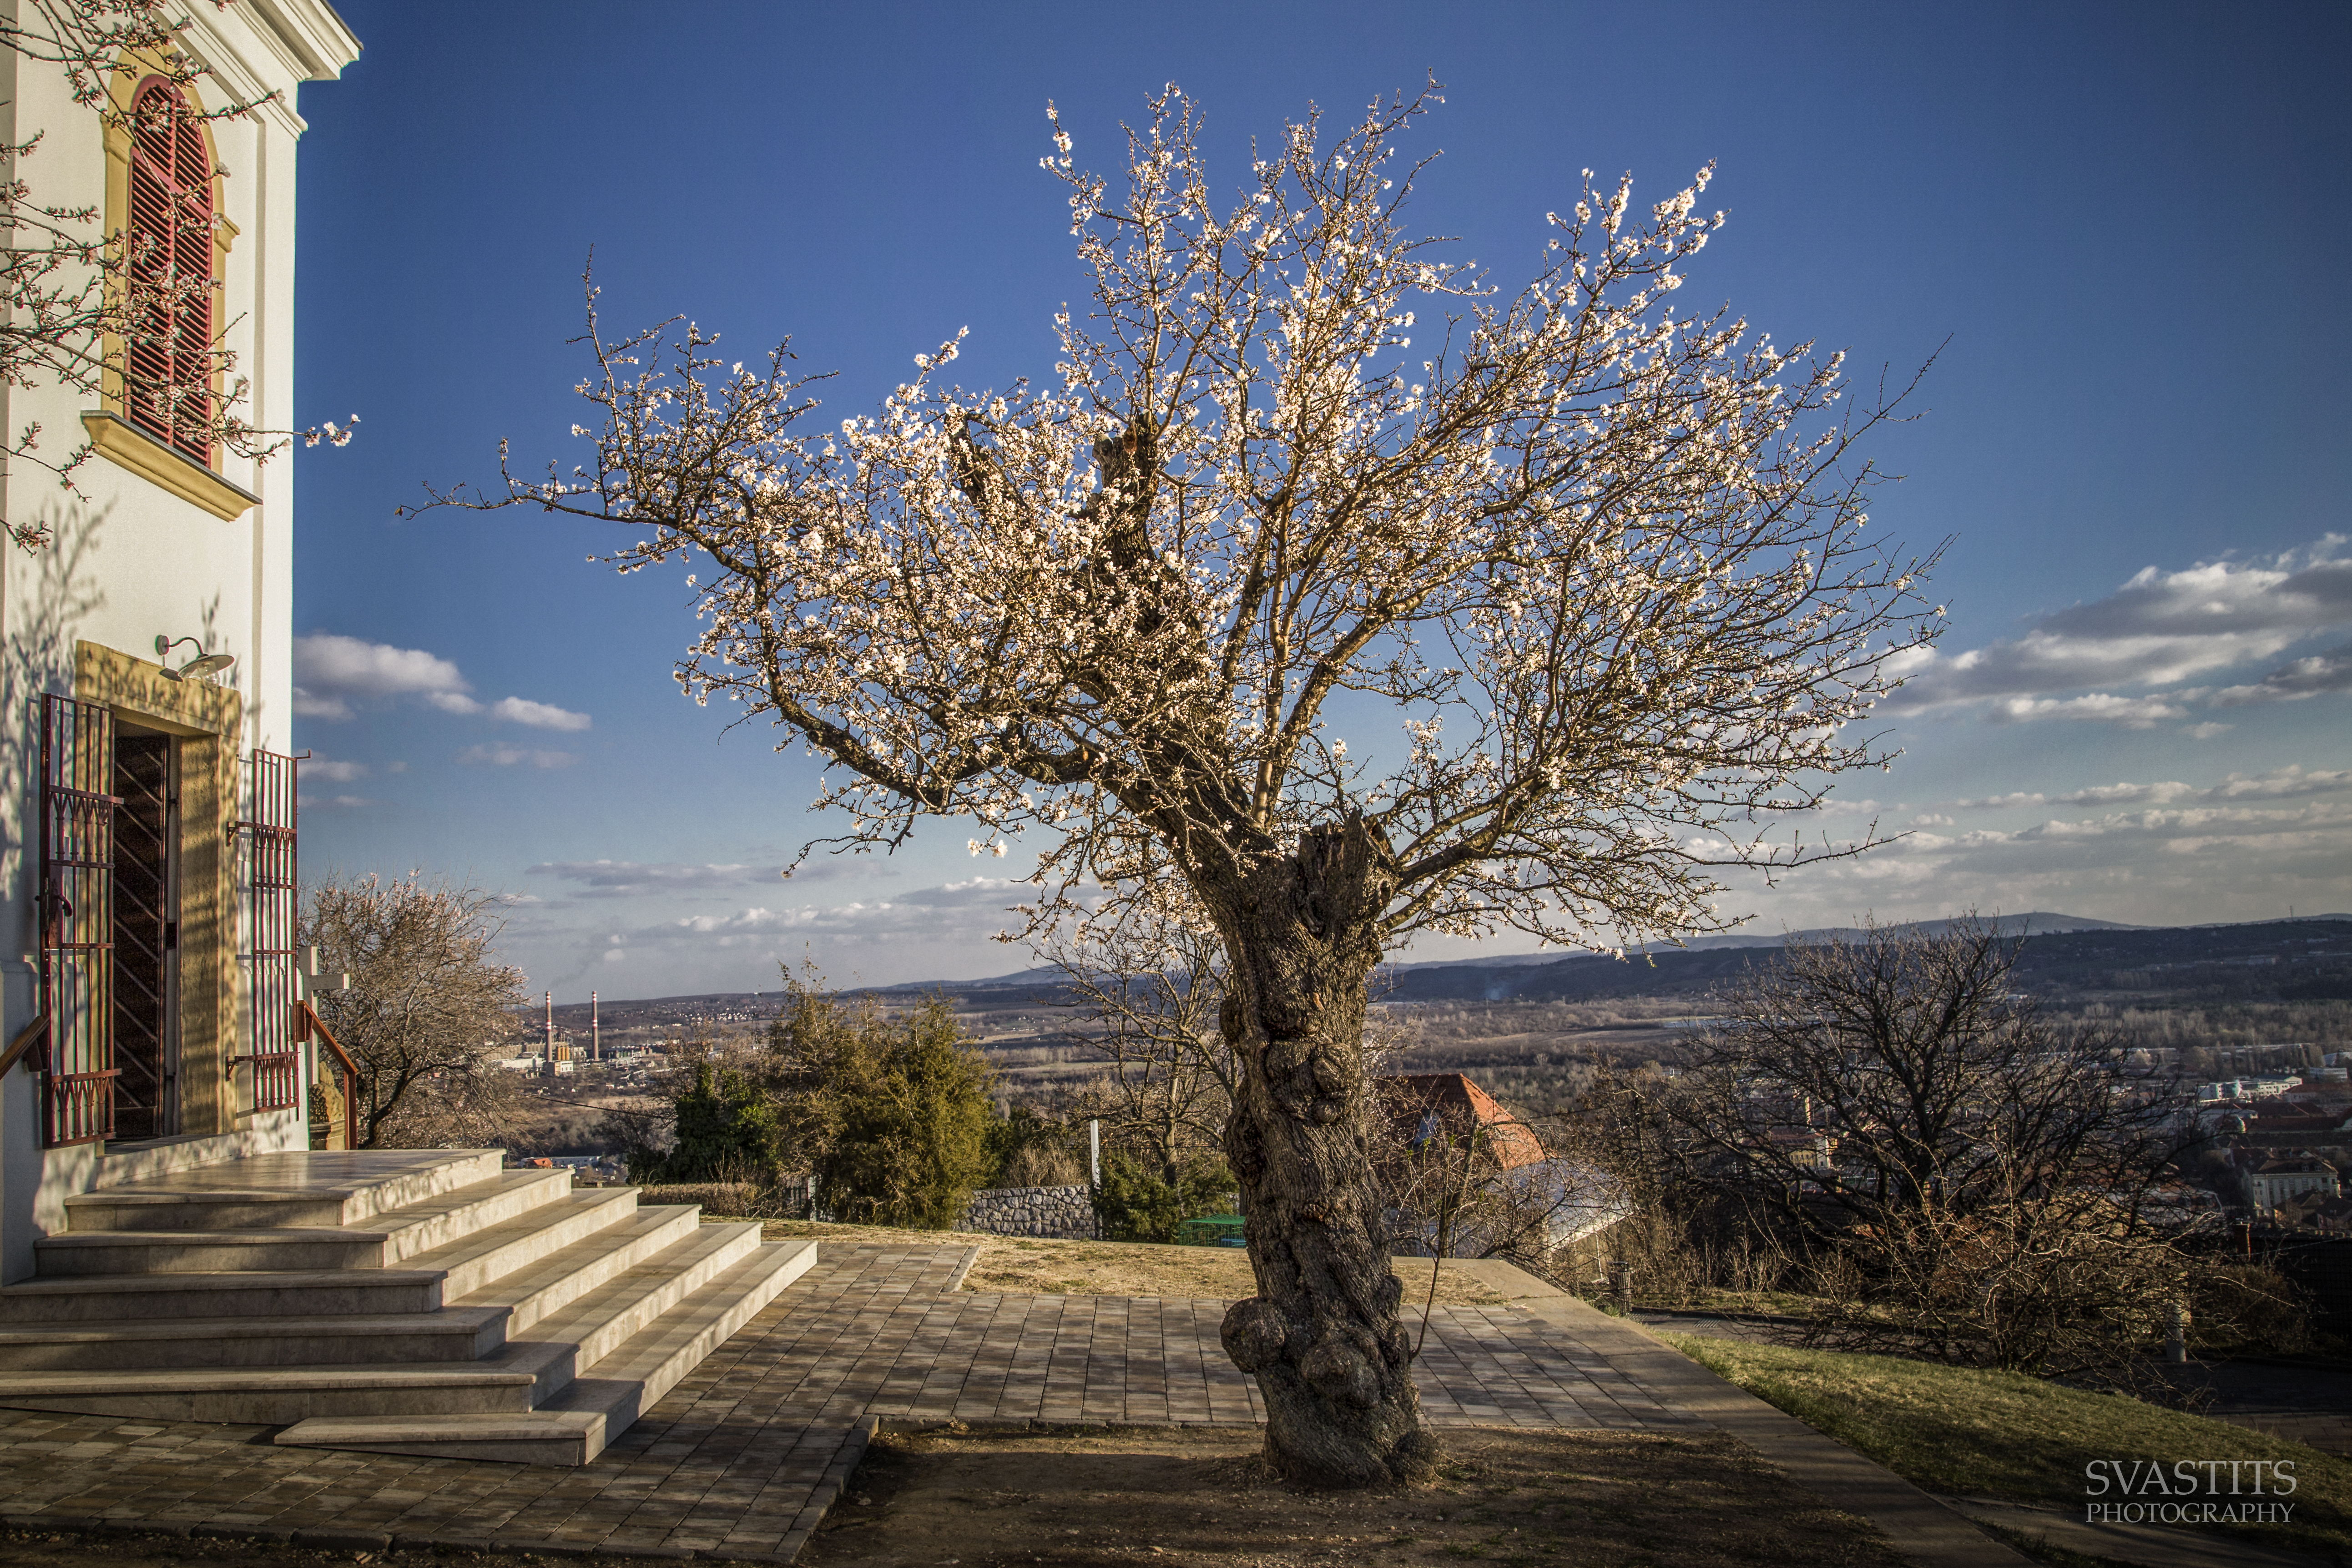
1586	575
1605	561
427	1006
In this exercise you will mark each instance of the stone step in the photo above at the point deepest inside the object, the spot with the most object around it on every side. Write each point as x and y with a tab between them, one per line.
510	1378
388	1238
573	1426
432	1278
277	1396
264	1192
527	1437
528	1293
494	1252
322	1292
590	1328
465	1329
456	1335
632	1379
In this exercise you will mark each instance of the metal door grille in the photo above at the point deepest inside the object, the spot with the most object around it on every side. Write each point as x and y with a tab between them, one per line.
77	918
146	930
270	892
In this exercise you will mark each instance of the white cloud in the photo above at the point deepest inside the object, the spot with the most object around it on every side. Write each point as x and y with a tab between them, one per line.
2132	712
2281	784
2242	849
331	670
2124	794
637	875
2291	782
333	770
955	913
327	663
539	715
505	756
2188	828
2157	629
2311	677
623	879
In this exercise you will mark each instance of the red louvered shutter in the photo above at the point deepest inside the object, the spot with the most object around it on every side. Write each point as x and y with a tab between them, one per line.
168	360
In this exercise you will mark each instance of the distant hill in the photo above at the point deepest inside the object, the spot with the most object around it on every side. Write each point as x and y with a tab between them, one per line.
2303	959
2039	922
2308	957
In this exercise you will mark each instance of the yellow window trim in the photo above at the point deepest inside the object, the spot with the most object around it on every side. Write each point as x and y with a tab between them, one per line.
135	67
119	441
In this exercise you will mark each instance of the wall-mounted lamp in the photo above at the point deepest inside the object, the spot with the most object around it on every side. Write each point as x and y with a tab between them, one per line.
204	664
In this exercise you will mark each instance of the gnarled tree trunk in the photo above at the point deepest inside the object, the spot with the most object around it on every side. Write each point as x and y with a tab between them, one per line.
1322	1335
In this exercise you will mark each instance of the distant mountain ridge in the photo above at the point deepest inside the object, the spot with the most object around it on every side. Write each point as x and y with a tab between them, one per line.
2076	945
2039	922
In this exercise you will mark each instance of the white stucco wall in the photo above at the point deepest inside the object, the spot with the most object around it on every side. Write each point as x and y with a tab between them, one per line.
134	561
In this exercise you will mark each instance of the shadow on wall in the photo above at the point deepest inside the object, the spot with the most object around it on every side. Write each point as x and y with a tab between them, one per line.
53	591
51	594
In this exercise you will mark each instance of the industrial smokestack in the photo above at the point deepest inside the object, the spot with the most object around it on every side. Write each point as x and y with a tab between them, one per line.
550	1028
596	1032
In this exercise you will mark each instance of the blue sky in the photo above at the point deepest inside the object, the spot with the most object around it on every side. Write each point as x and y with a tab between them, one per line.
2121	223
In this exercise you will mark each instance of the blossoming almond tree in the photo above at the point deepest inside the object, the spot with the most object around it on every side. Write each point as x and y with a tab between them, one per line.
1585	575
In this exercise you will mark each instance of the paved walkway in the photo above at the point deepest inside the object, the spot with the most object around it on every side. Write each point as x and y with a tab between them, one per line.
742	1458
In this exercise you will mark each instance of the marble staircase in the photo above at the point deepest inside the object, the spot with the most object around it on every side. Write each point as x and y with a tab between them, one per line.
395	1301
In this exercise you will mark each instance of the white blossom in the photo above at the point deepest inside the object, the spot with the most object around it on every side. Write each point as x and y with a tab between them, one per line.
1602	561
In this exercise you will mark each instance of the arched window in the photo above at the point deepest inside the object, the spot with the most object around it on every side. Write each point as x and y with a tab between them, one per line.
168	360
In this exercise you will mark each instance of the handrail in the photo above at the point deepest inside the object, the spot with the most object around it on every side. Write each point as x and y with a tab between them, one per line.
334	1045
26	1038
350	1068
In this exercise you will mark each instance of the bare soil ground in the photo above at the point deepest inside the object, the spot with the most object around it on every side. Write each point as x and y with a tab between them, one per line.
1019	1265
1202	1495
56	1548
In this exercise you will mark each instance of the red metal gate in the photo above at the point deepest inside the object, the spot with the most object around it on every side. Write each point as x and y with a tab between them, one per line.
77	915
270	892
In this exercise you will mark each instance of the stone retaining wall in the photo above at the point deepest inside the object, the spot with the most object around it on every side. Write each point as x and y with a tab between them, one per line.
1066	1214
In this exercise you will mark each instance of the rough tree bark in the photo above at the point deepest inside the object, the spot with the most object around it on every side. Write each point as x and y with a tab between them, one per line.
1322	1336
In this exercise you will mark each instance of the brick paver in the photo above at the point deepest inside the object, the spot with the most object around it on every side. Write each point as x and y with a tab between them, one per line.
741	1459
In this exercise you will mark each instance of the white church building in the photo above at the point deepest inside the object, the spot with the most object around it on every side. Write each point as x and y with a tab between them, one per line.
148	820
177	1242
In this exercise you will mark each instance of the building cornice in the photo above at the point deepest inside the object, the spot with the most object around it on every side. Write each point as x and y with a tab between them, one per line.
314	36
263	49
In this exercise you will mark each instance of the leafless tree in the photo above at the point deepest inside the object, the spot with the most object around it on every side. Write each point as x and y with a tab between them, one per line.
1588	574
428	1007
88	309
1971	1181
1151	983
1457	1186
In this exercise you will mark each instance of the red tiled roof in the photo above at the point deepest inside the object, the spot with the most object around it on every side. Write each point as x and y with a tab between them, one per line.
2293	1121
1458	1103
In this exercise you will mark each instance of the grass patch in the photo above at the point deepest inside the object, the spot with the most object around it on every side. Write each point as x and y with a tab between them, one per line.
2003	1435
